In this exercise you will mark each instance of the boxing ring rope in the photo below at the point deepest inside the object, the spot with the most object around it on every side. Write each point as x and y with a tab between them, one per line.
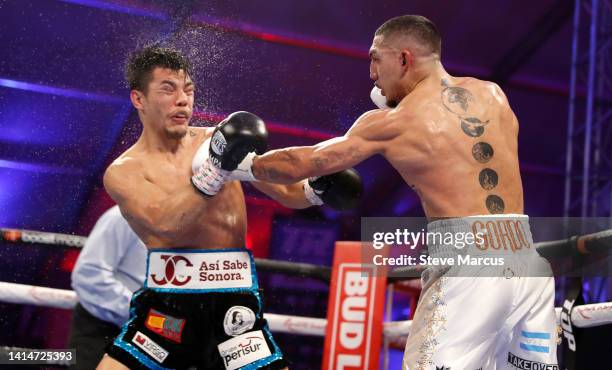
583	316
598	242
40	237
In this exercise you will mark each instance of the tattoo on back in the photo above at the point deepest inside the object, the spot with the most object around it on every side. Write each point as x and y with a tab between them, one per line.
472	126
191	133
495	204
488	179
458	101
482	152
471	130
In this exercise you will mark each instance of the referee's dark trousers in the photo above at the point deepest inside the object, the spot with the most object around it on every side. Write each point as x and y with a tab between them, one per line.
89	335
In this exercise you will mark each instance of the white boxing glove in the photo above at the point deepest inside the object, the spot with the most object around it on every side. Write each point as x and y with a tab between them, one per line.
200	157
244	170
312	196
242	173
378	98
207	177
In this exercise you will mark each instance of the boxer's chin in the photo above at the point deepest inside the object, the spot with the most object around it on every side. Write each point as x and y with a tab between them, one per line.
176	132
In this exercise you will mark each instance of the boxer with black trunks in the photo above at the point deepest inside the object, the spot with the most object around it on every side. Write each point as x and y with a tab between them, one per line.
200	306
454	141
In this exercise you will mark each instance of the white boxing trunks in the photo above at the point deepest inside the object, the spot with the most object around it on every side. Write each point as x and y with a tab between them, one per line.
488	316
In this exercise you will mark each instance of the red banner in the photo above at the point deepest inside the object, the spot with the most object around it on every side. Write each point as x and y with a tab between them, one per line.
355	312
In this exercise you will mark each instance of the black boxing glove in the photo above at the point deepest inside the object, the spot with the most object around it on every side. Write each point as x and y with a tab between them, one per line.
341	190
238	137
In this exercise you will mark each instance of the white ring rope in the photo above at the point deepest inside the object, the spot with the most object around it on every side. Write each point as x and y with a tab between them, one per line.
37	295
583	316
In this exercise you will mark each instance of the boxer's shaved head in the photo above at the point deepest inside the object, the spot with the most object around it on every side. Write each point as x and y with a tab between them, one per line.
414	29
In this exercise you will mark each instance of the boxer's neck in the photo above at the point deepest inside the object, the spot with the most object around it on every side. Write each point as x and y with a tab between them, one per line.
156	139
425	72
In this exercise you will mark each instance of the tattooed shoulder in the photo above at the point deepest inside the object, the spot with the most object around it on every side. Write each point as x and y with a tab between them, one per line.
333	158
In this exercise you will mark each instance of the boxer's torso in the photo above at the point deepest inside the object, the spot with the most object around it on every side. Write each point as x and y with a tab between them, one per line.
224	226
458	148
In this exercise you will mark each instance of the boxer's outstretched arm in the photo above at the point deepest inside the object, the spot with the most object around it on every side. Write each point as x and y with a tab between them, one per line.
290	196
153	214
367	137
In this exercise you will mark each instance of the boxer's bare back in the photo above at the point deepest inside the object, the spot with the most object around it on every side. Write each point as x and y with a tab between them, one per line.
453	140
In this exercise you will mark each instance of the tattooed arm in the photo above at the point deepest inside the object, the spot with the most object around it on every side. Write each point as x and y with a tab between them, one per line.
366	138
290	196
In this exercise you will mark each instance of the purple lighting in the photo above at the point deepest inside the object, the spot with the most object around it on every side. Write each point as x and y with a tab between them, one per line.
70	93
35	167
405	204
119	8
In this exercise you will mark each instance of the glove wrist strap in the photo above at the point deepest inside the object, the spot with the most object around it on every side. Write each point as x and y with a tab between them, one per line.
209	179
312	197
244	171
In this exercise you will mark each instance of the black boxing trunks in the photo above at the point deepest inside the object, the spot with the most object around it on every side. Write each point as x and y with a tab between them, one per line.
198	308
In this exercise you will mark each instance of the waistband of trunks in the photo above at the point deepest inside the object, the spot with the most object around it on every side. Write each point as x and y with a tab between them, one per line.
200	270
490	235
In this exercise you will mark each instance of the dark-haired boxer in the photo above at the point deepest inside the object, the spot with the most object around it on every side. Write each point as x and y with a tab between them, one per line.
454	141
199	275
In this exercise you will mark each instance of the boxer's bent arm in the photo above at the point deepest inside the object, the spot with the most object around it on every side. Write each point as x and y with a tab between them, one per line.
290	196
366	138
151	212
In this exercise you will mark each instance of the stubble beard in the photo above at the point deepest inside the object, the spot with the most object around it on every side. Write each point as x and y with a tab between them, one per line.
175	134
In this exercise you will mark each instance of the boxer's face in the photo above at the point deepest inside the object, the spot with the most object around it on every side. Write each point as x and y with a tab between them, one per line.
167	105
386	70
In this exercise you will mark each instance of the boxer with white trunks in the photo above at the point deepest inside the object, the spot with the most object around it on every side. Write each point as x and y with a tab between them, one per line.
493	314
199	274
454	141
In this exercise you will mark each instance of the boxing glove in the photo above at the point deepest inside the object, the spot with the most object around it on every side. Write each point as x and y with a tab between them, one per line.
240	135
341	190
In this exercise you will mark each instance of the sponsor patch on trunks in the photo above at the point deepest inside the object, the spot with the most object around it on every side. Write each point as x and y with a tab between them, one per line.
238	319
150	347
199	270
165	325
244	349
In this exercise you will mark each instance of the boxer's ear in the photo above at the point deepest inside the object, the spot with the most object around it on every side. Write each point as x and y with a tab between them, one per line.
406	58
136	97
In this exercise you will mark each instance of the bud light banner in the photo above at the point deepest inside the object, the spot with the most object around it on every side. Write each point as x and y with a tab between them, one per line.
355	312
